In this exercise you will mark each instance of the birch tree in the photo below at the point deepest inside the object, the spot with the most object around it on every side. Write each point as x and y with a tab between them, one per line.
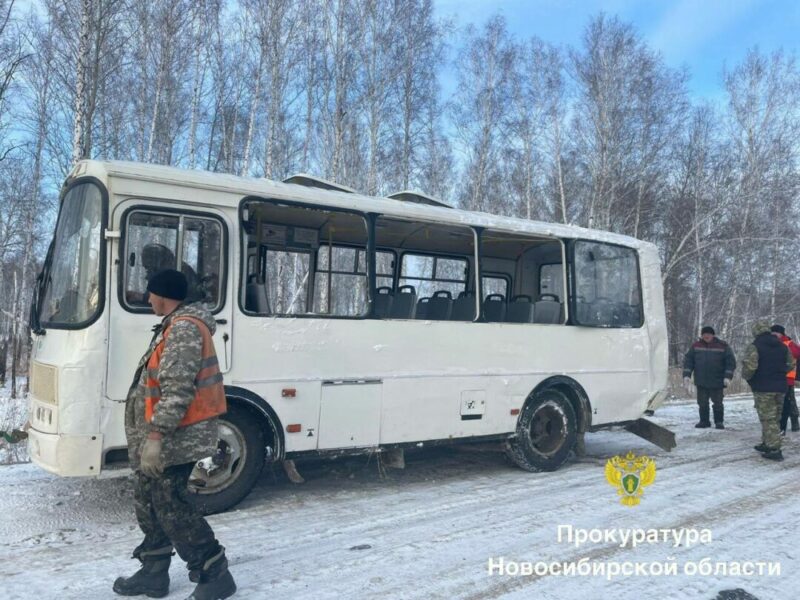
343	30
764	128
12	56
485	69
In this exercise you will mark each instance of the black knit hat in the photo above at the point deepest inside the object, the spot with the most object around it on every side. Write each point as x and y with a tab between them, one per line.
707	329
169	283
778	329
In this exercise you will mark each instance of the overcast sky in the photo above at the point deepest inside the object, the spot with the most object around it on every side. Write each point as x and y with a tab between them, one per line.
704	35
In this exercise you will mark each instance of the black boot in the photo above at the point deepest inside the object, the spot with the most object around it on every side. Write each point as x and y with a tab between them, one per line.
704	422
719	416
152	579
215	581
762	447
773	454
795	424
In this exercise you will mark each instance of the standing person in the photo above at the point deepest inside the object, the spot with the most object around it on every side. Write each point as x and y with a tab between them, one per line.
171	422
712	361
789	401
765	365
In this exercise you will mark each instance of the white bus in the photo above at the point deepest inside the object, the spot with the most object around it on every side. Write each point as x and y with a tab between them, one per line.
345	323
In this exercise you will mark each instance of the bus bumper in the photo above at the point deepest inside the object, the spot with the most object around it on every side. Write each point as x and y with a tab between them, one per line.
655	434
66	455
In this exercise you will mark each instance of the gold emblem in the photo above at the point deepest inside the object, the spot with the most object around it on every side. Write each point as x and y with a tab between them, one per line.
630	474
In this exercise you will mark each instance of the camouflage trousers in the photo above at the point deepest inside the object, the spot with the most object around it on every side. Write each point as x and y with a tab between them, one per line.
168	520
768	407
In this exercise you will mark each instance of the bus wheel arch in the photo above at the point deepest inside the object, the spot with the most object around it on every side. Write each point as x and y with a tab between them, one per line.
551	425
265	414
250	435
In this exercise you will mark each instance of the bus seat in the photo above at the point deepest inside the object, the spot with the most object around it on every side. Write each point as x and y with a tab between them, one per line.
382	305
520	310
422	308
494	307
463	307
255	297
404	303
440	306
547	309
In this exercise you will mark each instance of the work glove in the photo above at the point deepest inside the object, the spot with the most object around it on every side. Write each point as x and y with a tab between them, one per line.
151	463
687	383
726	382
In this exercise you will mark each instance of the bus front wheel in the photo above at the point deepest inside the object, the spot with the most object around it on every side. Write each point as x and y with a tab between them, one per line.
219	482
546	432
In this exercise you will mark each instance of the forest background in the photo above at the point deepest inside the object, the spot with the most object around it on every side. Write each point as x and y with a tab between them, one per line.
602	133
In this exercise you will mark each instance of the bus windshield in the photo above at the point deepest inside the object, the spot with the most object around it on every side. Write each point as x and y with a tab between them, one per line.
71	285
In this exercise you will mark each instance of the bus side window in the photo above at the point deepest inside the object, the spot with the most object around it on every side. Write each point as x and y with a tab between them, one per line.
607	289
310	261
537	294
435	279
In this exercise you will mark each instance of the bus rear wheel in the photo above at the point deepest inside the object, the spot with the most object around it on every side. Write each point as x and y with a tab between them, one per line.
546	432
220	482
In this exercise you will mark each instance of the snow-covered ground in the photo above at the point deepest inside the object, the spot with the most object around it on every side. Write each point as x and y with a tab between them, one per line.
430	531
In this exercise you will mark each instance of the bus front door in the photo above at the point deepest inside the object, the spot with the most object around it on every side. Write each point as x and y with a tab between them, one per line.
155	237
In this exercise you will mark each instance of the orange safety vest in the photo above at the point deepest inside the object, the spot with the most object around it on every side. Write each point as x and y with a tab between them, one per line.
209	398
791	375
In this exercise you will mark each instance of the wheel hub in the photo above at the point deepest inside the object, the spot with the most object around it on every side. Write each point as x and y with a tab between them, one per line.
548	428
214	473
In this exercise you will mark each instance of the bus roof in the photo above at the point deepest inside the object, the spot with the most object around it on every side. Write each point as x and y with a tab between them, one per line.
239	187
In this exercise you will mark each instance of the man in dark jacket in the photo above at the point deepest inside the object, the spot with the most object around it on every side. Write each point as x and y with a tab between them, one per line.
713	363
765	365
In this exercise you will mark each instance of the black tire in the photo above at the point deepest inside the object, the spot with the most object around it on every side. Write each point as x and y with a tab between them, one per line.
226	487
546	432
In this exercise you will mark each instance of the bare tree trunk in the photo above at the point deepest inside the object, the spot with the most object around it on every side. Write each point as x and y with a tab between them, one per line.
162	67
3	360
199	75
254	102
309	84
79	125
273	116
701	317
14	338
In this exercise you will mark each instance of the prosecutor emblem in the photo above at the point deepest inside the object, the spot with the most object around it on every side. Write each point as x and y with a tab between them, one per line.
630	474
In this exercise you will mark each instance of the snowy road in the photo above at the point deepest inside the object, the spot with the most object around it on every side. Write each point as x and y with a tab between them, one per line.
429	531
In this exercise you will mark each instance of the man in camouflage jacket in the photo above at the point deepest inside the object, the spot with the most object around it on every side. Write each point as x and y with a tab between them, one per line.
163	453
765	364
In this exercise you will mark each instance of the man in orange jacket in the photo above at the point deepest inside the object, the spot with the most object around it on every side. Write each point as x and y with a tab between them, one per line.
171	422
789	401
